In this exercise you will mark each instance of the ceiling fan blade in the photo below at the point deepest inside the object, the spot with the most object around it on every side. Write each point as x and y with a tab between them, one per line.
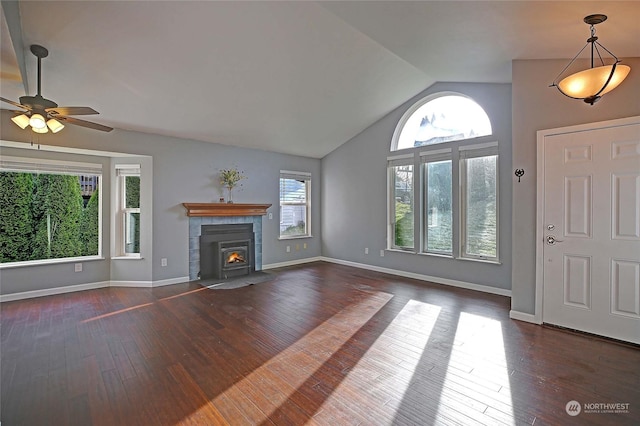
84	123
15	104
15	111
71	111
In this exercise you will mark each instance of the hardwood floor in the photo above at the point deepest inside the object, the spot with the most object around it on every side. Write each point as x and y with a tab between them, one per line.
319	344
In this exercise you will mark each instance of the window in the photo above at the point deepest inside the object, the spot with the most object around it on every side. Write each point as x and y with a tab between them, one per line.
438	226
49	209
479	201
457	212
438	119
295	211
128	215
401	202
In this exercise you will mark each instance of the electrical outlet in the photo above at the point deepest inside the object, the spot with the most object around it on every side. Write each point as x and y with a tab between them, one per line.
270	216
304	246
288	249
78	267
381	253
366	250
163	261
297	247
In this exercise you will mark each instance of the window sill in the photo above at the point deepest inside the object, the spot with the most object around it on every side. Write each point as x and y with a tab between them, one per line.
471	259
443	256
50	262
127	258
295	237
395	250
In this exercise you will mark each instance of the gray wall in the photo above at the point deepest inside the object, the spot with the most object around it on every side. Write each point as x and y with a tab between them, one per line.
537	107
183	171
354	195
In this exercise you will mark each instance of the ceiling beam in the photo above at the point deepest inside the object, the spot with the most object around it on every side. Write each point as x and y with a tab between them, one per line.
11	14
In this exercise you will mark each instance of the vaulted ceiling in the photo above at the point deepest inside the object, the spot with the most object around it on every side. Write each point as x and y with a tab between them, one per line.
293	77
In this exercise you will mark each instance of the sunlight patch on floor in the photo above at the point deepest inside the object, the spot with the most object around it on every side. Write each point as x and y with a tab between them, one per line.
120	311
389	364
477	377
276	377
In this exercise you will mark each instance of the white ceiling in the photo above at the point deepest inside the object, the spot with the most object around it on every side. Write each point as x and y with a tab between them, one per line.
293	77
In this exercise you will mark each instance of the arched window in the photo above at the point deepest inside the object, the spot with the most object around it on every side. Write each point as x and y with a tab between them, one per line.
443	117
443	200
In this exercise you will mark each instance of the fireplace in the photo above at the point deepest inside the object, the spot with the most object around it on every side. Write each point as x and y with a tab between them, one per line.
226	251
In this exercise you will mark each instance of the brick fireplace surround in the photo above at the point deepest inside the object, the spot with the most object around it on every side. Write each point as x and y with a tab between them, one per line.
222	213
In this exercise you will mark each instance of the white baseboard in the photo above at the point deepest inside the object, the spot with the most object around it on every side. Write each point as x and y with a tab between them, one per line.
90	286
52	291
292	262
170	281
149	284
134	284
438	280
522	316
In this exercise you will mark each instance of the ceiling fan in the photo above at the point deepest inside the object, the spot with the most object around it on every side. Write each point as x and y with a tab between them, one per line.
43	114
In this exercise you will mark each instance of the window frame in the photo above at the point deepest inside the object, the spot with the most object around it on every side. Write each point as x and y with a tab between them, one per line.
57	167
466	153
397	133
123	171
306	178
458	152
392	163
427	157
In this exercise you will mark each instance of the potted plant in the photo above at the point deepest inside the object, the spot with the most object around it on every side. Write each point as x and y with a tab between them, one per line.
229	178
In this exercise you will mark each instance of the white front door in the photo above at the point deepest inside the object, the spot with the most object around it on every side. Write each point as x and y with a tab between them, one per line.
591	231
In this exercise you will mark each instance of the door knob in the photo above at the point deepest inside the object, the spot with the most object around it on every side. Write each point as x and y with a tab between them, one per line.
551	240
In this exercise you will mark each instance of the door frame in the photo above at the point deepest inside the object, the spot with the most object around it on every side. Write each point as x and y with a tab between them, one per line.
540	195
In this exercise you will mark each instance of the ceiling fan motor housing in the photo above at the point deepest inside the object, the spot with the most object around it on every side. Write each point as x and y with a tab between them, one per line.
37	102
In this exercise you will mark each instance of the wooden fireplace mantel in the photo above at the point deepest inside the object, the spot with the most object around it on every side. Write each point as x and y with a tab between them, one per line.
225	209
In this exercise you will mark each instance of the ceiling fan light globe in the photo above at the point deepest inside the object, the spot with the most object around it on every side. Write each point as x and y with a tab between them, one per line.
593	81
54	125
37	122
40	130
21	120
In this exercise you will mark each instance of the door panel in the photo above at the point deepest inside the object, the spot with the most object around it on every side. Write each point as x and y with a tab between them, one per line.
626	214
591	219
625	286
577	216
577	281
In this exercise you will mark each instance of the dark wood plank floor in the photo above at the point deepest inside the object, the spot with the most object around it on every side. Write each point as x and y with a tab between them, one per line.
320	344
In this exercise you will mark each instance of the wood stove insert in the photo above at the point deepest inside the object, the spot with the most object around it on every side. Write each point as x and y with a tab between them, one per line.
226	251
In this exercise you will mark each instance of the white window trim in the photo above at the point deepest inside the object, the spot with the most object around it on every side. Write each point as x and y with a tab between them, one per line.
56	167
457	151
306	177
468	152
434	156
122	171
407	115
395	161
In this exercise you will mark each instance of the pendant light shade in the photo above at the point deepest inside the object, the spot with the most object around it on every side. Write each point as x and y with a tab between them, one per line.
594	82
598	80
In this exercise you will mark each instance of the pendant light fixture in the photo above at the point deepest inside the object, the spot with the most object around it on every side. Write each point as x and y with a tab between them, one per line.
591	84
